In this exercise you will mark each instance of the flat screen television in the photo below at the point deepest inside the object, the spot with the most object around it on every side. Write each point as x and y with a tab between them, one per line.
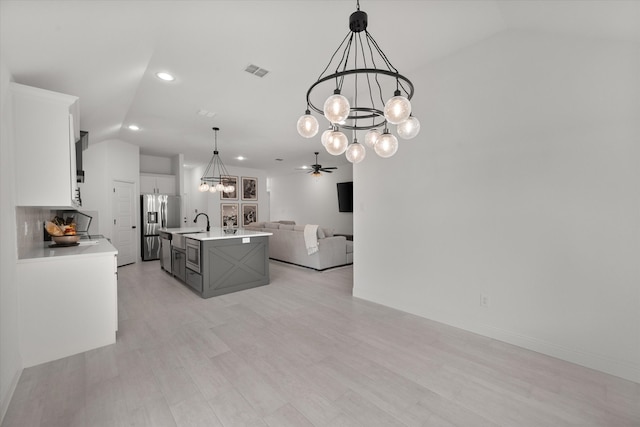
345	196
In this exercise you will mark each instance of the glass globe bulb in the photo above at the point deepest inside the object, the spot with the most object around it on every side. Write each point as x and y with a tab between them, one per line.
325	137
371	138
307	125
336	108
337	143
204	187
229	189
386	146
409	128
397	109
219	186
212	189
355	152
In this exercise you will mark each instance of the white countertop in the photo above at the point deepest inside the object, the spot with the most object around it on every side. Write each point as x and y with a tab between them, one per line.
183	230
217	233
86	248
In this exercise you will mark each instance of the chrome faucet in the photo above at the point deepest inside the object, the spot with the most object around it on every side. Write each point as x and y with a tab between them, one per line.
206	216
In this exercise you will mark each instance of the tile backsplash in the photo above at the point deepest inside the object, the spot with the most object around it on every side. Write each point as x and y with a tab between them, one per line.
30	227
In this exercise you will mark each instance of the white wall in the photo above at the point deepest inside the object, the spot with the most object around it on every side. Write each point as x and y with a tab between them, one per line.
156	164
103	163
209	203
10	360
523	186
308	200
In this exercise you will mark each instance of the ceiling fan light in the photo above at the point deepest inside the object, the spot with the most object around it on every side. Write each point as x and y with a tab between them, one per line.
371	138
409	128
386	146
397	109
336	108
355	152
308	125
337	143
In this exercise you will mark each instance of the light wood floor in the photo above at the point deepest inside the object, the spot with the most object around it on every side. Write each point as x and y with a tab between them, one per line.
303	352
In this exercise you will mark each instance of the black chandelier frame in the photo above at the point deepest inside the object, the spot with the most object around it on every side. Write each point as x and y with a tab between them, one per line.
358	22
216	163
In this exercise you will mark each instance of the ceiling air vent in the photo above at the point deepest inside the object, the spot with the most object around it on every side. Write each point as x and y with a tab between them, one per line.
256	71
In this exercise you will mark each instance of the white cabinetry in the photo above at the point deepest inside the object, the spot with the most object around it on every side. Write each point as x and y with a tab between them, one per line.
46	127
68	305
158	184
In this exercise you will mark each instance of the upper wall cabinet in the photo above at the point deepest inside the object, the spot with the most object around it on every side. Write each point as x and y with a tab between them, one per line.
158	184
46	127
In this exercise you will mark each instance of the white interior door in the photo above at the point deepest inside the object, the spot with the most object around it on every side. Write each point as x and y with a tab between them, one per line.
124	222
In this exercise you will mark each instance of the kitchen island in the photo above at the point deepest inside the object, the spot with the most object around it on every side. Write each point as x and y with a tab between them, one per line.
218	263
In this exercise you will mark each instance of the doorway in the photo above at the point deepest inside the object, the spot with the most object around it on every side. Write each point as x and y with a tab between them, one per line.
124	222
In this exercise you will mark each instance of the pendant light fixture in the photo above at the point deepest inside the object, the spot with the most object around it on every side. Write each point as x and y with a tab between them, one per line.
360	90
215	177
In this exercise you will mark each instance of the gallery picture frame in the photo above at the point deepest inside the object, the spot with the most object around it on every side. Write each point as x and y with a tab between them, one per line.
229	212
249	213
233	180
249	188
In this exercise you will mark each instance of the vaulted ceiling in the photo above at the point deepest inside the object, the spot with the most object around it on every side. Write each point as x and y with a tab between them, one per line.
107	53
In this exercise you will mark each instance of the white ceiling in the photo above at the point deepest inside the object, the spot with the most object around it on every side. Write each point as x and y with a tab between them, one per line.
107	53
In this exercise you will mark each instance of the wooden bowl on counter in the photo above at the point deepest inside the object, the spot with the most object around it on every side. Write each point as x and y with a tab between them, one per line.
66	240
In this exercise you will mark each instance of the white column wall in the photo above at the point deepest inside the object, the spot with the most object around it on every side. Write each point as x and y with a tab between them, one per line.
522	186
10	359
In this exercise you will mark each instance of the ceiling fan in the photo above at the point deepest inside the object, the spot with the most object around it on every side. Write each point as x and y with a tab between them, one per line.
316	168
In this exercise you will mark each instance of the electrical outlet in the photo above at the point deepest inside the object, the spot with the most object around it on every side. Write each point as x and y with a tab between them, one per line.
484	300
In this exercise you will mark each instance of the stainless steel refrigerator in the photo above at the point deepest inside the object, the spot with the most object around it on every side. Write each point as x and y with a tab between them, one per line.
158	211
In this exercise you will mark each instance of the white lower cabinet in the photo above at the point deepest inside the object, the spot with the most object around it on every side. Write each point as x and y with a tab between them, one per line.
68	305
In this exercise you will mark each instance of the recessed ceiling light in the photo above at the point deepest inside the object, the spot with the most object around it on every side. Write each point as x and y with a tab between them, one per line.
134	127
165	76
240	158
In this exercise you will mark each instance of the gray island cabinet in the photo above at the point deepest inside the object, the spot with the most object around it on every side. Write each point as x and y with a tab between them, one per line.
219	263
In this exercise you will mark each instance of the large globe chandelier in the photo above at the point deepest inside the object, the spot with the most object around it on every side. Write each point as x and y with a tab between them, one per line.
350	93
215	177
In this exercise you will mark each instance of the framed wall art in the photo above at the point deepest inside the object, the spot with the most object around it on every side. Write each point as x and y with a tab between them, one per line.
249	188
230	180
229	214
249	213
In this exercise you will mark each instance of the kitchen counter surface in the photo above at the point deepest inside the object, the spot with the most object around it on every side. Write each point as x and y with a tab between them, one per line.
86	248
217	233
183	230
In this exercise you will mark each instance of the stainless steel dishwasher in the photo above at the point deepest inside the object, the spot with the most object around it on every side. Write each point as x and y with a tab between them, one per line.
165	251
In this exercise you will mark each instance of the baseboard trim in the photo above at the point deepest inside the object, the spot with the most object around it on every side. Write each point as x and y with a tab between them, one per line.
6	400
311	268
619	368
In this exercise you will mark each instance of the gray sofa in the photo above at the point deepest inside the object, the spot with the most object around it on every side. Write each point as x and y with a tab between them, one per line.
287	244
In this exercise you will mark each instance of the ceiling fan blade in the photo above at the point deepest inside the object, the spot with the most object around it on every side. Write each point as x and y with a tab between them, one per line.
327	171
331	167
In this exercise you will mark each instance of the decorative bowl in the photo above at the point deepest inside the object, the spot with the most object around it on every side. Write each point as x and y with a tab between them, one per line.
230	230
66	240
